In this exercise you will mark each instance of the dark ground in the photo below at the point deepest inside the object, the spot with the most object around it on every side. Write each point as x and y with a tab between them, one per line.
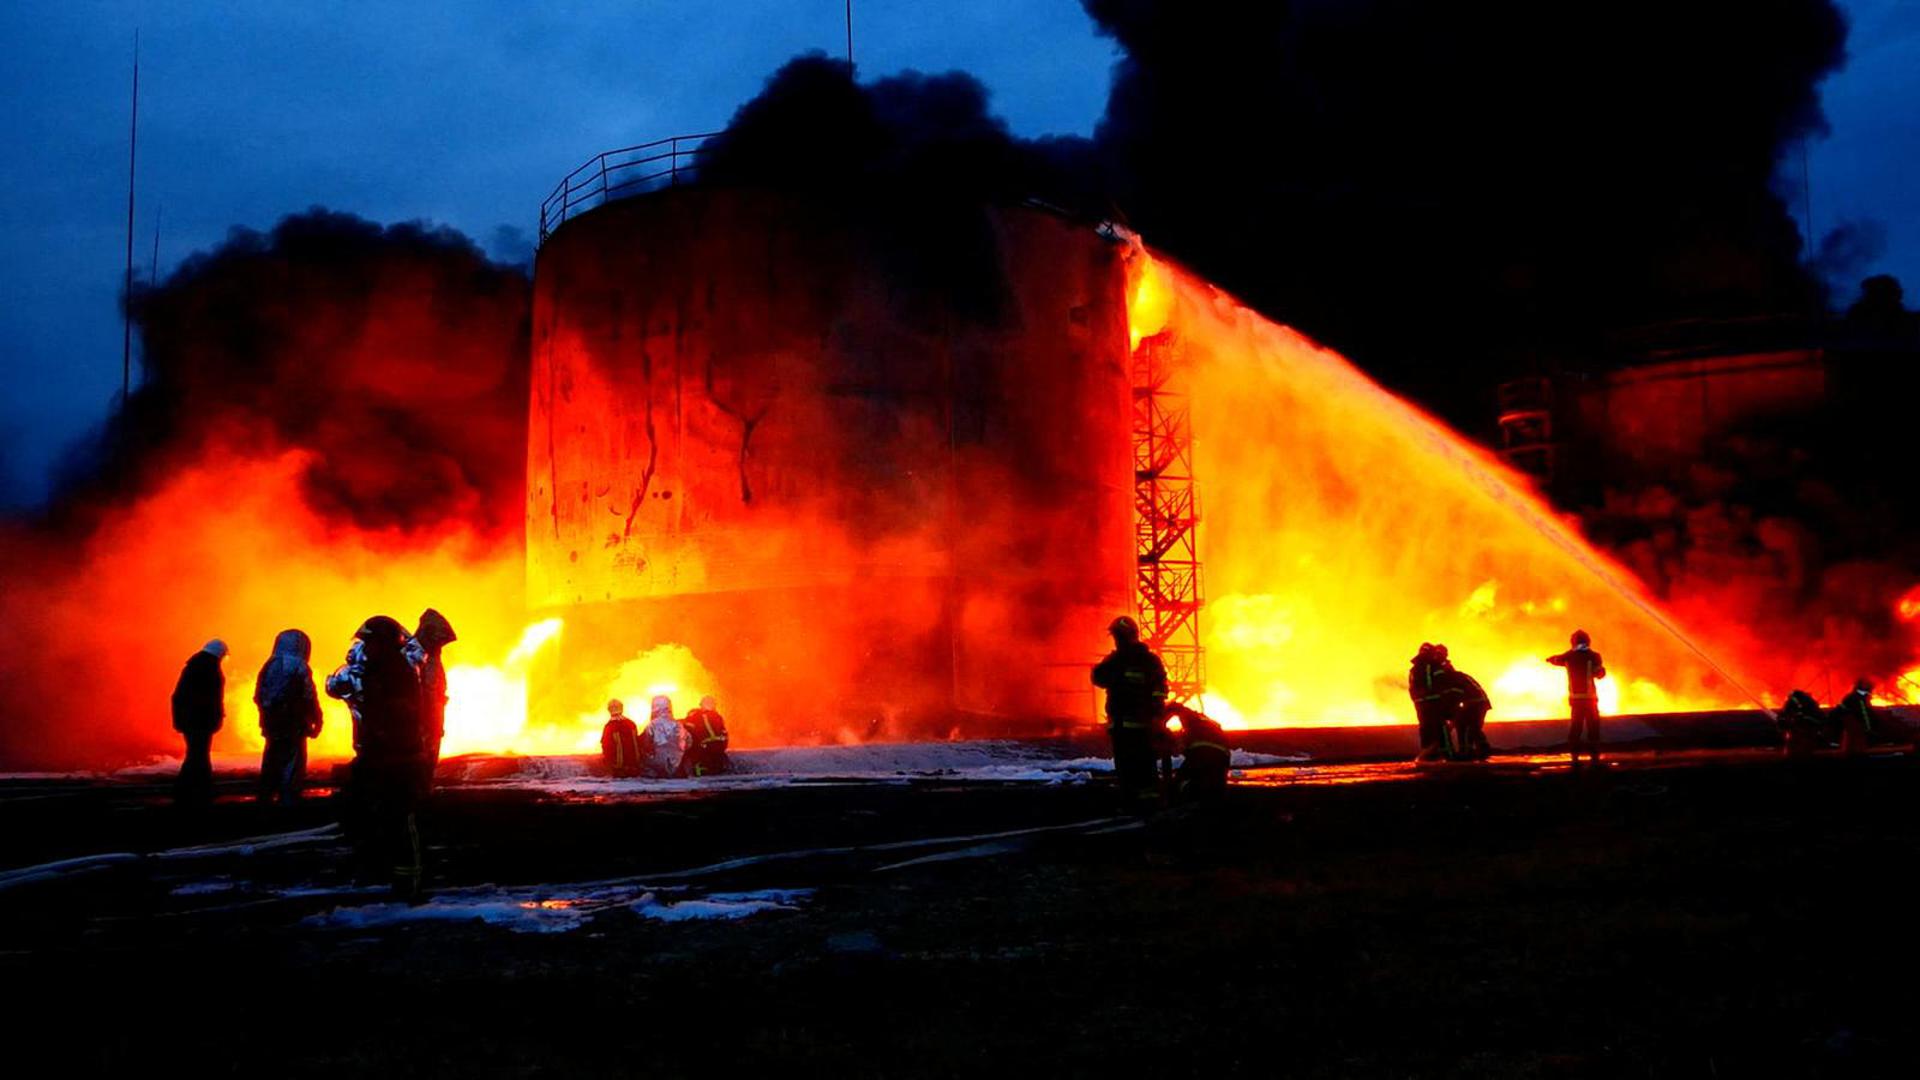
1716	915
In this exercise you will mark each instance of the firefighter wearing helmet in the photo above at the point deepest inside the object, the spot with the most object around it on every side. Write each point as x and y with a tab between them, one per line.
1433	699
1584	669
1855	718
1136	684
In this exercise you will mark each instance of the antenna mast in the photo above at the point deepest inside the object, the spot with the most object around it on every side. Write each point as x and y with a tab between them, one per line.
126	300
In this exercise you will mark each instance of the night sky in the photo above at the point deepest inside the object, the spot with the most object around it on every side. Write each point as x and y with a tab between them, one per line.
466	114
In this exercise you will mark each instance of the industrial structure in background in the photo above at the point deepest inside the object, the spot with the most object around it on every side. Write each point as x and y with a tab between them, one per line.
870	464
1166	517
1666	394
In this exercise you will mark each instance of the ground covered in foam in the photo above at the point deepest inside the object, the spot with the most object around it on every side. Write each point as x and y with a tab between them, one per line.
1670	915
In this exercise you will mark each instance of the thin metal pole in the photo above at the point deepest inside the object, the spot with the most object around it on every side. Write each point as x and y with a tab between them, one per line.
126	314
1806	196
849	33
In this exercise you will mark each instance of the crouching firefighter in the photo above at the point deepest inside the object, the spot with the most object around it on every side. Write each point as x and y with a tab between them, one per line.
1136	684
1205	756
620	742
1470	706
382	689
1800	723
706	740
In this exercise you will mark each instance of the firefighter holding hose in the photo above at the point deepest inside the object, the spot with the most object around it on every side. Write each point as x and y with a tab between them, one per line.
1432	698
1205	757
1584	668
1854	716
1136	684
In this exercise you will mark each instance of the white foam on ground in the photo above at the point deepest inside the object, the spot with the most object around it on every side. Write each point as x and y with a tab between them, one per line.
726	906
983	761
1245	759
551	909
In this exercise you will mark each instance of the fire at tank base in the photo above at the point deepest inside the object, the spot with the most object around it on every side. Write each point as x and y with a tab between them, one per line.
1263	757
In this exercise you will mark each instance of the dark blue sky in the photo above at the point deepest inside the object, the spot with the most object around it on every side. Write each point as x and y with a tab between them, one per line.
467	113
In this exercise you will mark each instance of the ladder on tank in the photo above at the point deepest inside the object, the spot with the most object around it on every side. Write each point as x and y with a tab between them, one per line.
1166	518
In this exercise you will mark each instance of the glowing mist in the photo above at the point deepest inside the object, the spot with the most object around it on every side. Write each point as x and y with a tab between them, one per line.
1343	527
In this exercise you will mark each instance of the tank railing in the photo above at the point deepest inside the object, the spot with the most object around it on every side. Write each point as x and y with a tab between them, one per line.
616	174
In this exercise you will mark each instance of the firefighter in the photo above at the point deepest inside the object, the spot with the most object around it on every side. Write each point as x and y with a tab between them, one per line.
1854	717
1136	684
666	742
1800	722
1432	700
1584	668
707	740
1470	705
199	708
1205	756
433	634
289	716
620	742
382	689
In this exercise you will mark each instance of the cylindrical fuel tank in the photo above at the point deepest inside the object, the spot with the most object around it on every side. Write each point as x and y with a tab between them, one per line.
872	469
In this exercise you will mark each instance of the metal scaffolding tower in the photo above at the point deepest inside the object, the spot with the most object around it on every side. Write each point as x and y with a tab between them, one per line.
1166	517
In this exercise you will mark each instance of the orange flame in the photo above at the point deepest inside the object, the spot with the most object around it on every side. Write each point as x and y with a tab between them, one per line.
1344	527
231	548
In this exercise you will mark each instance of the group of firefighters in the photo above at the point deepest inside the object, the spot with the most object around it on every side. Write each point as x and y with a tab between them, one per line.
666	748
1146	729
1805	726
395	686
1449	705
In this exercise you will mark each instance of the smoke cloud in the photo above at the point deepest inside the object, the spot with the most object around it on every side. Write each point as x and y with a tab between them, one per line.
1445	194
319	405
1444	191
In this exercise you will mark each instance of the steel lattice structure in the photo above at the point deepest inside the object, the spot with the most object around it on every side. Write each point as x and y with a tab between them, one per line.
1166	518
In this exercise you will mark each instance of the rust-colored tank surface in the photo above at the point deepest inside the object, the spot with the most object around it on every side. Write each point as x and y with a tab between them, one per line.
871	472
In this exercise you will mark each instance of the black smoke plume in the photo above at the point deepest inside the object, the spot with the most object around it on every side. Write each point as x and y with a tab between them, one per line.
1448	191
397	354
391	362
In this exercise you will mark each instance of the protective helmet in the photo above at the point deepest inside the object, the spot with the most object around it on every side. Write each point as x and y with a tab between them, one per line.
1863	684
216	648
616	707
1124	626
382	630
1439	652
1580	638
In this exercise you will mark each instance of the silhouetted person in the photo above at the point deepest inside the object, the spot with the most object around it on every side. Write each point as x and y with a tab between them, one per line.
382	689
620	742
1205	756
199	707
1800	723
1136	684
1854	716
1470	705
1432	700
707	740
1584	669
423	649
289	716
1881	312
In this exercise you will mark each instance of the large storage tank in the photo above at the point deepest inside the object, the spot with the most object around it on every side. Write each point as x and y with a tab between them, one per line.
873	471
